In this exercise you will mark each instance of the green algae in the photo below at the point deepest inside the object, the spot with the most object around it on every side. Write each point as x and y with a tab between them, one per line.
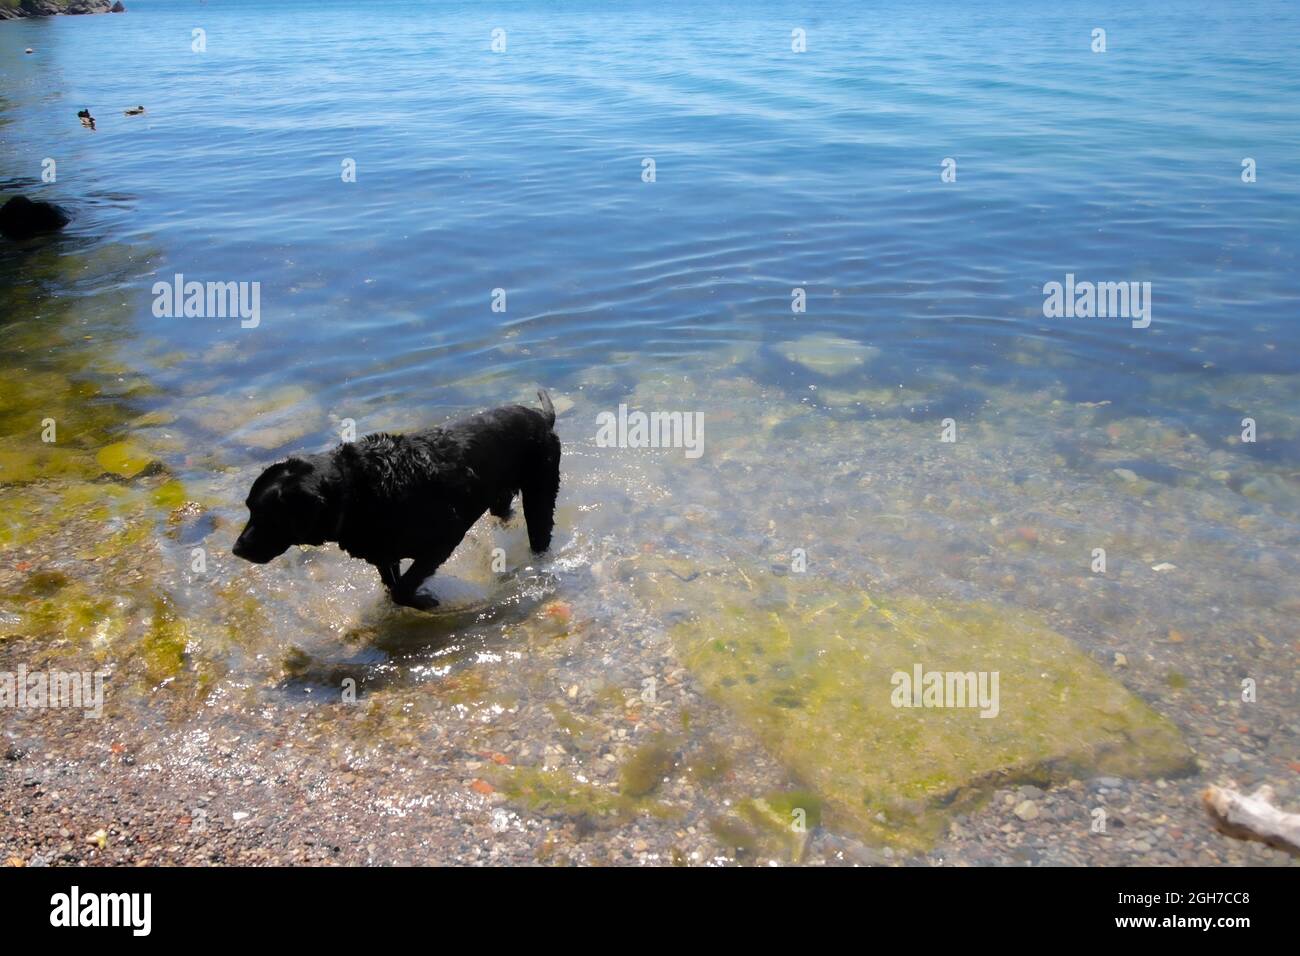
170	495
776	825
736	836
162	649
811	666
647	766
709	762
71	614
83	577
556	793
113	601
34	462
44	584
569	722
124	459
787	809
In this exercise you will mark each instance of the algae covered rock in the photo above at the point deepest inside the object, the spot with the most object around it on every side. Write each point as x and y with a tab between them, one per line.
896	713
124	459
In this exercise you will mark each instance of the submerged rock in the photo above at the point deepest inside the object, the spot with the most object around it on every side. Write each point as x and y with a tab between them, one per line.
819	673
20	218
1272	489
258	418
827	354
124	459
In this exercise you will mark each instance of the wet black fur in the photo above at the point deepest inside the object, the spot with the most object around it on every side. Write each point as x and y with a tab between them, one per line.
389	497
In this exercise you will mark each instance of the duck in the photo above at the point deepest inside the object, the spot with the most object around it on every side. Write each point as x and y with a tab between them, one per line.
87	120
133	111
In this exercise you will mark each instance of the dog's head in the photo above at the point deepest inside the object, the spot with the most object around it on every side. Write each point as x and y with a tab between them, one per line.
287	505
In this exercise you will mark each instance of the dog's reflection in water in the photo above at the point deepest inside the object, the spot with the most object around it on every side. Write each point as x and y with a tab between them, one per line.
477	614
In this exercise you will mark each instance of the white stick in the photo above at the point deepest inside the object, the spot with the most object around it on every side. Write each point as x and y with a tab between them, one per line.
1254	817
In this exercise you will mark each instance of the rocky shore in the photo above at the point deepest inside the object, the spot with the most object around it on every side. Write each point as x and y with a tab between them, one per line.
17	9
662	701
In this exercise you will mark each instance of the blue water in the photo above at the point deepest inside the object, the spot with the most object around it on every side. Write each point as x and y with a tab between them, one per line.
522	170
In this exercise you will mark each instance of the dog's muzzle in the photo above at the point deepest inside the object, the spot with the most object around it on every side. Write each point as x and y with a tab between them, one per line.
249	551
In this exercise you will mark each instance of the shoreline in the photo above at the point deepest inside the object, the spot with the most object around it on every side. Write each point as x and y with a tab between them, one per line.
29	9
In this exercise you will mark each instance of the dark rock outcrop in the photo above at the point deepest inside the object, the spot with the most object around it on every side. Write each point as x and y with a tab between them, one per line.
49	8
20	218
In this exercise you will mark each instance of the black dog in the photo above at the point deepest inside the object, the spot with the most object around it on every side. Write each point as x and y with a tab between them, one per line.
389	497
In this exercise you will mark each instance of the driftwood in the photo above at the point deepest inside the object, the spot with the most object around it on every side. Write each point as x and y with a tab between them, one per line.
1254	817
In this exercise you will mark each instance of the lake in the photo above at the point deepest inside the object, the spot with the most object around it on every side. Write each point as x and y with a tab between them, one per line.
830	237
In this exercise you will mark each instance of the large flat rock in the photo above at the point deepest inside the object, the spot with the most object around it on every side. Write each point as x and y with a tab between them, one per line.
812	668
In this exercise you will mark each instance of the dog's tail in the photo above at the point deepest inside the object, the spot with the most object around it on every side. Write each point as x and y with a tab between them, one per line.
547	408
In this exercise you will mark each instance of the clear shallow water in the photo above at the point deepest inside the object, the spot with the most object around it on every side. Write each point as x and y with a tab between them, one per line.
774	170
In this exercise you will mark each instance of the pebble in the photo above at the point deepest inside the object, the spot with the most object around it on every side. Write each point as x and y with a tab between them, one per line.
1027	810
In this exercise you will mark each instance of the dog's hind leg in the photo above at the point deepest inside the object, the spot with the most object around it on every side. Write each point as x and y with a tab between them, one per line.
540	488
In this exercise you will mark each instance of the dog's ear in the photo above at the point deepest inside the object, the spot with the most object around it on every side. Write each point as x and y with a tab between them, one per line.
297	478
270	484
309	504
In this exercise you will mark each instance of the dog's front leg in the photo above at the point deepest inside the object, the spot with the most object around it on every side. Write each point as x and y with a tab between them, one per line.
389	573
419	571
